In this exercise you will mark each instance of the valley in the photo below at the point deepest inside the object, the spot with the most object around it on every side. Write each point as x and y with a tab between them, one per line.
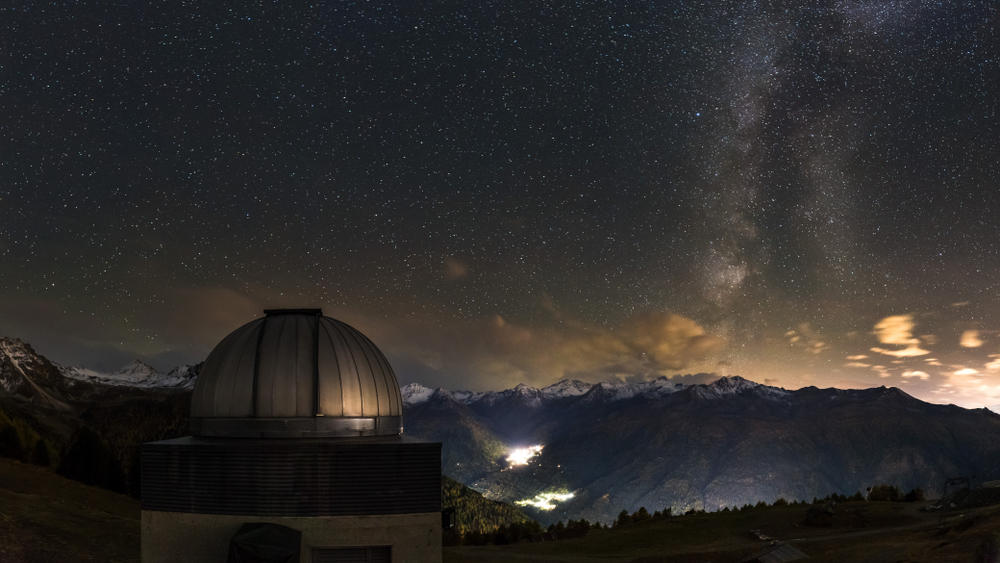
572	450
606	447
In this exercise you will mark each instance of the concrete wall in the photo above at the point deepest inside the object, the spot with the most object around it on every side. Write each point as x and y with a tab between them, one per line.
169	537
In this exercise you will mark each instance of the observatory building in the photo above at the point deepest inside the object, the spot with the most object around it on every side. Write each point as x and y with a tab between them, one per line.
296	423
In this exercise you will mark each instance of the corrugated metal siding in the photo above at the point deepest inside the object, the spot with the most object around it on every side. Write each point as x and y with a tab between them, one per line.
348	377
291	477
296	365
287	366
371	554
332	390
227	389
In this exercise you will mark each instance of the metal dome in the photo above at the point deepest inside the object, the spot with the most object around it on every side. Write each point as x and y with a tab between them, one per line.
296	373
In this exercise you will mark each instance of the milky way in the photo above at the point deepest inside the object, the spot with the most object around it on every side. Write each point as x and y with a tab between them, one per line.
803	194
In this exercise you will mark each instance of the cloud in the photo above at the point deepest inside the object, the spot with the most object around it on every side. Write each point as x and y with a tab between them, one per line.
684	379
857	365
455	269
971	339
857	357
969	388
670	341
805	337
495	352
908	352
182	328
916	373
994	363
881	371
201	317
897	330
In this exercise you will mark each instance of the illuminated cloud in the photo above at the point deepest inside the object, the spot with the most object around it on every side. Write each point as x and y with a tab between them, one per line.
968	388
908	352
669	341
455	269
857	365
994	363
933	362
857	357
970	339
916	373
881	371
804	336
897	330
498	352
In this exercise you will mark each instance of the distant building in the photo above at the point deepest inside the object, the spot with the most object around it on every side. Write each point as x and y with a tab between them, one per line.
296	421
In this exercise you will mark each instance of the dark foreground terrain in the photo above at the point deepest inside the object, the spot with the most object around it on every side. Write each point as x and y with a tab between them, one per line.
45	517
48	518
861	531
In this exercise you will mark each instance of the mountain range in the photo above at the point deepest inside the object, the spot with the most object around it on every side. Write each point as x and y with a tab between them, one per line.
662	443
587	450
27	374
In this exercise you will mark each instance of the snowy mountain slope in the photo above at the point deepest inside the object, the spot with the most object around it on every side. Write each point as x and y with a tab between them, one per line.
137	374
415	393
731	442
25	373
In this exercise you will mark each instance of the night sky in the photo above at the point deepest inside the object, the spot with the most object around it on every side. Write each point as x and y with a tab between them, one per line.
802	193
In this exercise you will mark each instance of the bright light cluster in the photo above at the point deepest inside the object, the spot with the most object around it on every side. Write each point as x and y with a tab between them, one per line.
547	500
521	456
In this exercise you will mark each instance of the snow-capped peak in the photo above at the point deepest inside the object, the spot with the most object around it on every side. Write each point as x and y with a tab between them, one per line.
136	374
16	349
524	389
733	384
736	385
613	390
137	370
617	390
26	373
565	388
415	393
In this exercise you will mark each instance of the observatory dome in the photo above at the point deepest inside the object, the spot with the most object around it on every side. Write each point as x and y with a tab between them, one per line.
295	373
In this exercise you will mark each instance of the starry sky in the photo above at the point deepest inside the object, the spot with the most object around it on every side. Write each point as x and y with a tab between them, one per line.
802	193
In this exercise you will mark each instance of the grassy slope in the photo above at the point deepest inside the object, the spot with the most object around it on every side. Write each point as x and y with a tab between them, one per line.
45	518
876	532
